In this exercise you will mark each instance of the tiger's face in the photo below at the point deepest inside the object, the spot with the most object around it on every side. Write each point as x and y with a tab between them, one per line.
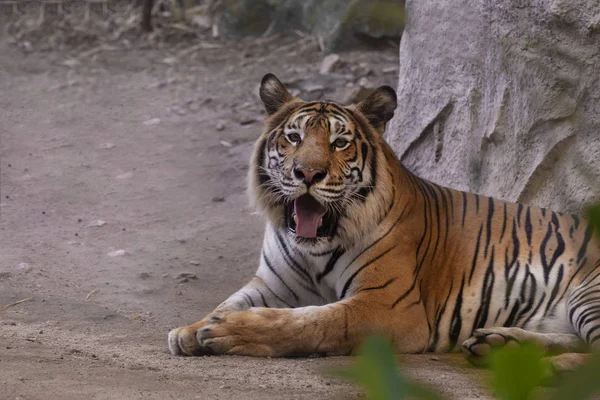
316	164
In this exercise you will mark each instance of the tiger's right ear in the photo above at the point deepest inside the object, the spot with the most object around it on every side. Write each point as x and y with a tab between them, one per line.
273	94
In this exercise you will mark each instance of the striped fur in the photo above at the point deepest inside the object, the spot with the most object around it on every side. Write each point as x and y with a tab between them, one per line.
425	265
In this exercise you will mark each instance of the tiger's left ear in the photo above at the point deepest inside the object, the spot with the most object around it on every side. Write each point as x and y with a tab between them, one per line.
273	94
379	107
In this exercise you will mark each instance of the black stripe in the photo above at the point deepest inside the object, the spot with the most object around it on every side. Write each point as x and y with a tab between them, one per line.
438	317
446	216
586	240
431	189
382	286
324	253
451	197
376	241
349	281
474	262
510	283
428	215
278	298
534	311
464	196
513	313
279	276
486	295
248	299
530	298
456	322
584	317
291	262
488	227
262	297
559	279
528	226
365	191
337	253
503	224
575	221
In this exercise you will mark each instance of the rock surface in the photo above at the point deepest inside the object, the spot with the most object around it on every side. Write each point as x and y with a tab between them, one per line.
503	98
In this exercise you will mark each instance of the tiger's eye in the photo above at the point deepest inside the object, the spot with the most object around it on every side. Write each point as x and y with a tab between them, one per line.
340	143
293	137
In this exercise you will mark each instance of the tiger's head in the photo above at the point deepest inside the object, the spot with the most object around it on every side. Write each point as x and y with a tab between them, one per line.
319	170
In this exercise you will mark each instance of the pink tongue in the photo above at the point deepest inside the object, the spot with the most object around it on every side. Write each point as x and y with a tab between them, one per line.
308	214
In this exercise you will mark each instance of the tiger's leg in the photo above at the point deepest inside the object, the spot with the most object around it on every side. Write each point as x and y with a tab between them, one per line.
584	312
336	328
583	308
482	341
183	340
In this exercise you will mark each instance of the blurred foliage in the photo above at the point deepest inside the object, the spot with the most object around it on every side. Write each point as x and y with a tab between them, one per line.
517	371
593	216
376	371
376	18
516	374
582	383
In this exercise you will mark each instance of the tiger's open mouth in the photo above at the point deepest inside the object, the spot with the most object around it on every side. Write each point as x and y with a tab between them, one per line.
309	219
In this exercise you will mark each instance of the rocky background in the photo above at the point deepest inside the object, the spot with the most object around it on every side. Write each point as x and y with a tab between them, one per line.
503	98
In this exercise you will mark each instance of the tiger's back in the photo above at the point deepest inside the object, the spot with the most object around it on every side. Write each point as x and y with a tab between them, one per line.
492	263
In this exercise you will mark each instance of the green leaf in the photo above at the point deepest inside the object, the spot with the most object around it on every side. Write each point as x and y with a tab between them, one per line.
516	371
581	383
592	214
376	371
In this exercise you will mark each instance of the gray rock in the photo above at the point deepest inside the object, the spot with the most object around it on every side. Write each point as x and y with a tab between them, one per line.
329	64
502	98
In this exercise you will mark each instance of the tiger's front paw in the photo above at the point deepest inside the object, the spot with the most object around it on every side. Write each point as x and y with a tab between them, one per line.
184	341
478	346
245	333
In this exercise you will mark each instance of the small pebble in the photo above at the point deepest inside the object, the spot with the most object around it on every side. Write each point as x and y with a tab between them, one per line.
329	63
186	275
97	223
23	267
194	262
126	175
225	143
248	121
153	121
116	253
220	126
107	146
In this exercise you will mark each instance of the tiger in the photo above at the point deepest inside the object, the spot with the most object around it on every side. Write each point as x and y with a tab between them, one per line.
355	244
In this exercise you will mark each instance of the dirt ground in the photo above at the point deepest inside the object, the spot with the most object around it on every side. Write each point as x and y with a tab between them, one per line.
124	214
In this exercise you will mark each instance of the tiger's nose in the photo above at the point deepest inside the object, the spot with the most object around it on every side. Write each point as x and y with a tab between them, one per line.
310	175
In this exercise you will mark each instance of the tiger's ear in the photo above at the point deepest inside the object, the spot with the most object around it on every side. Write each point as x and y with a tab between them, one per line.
379	107
273	94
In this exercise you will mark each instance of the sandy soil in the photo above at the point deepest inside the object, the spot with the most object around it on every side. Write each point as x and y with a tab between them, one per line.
155	143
